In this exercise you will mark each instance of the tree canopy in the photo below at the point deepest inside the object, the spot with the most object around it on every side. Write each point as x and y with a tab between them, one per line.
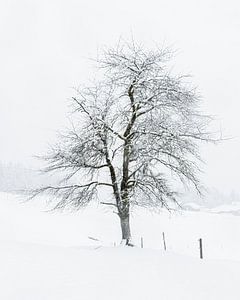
133	130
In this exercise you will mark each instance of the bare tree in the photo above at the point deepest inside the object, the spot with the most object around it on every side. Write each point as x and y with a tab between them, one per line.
133	131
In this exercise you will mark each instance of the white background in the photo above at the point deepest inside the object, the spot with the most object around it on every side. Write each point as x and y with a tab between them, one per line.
44	51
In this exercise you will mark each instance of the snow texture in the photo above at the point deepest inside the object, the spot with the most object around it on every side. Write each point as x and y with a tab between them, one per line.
50	256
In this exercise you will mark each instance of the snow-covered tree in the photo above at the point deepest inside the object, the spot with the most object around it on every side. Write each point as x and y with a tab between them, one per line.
132	132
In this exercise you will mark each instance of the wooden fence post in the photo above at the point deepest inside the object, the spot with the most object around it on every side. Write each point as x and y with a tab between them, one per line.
164	241
201	248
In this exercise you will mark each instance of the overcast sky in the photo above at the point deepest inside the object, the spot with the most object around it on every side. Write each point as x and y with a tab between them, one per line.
44	49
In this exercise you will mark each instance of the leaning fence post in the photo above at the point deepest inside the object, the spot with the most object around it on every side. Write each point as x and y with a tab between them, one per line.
141	242
164	241
201	248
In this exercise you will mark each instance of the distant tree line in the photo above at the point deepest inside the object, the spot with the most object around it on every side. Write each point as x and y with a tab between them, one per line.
16	177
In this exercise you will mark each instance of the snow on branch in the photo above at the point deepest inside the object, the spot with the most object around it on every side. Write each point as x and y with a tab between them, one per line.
135	130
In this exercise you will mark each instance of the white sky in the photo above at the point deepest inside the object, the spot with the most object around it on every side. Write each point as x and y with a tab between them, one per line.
44	49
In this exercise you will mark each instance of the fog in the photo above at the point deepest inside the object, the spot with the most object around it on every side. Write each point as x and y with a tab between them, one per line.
45	46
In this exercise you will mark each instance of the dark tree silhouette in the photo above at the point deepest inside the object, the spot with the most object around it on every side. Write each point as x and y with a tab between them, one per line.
132	127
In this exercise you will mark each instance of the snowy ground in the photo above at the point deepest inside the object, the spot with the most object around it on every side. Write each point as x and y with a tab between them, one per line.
50	256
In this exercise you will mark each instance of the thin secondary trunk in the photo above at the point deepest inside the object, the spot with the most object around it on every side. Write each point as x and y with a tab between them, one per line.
126	232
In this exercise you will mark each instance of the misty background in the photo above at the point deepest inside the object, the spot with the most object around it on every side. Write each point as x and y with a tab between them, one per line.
45	51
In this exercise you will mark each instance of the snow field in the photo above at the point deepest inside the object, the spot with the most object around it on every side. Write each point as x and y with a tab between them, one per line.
47	256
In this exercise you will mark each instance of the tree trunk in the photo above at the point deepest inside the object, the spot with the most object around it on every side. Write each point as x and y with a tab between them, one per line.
126	232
